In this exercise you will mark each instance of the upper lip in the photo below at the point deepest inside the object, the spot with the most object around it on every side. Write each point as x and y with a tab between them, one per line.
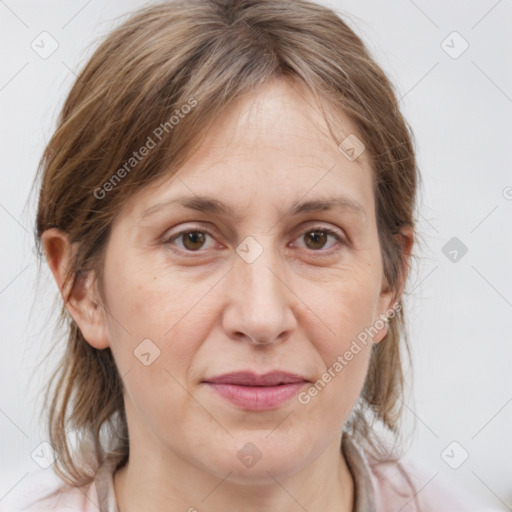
248	378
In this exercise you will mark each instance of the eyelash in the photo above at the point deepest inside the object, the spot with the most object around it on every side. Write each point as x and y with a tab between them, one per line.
328	231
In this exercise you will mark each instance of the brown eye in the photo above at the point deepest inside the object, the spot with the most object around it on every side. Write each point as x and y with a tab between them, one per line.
191	240
317	239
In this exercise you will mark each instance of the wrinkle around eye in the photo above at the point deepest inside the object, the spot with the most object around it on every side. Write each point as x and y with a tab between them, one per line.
175	241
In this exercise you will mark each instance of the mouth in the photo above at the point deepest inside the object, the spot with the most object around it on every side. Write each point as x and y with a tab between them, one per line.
251	391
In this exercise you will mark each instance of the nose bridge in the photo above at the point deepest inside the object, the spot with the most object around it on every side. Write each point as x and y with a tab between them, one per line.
260	307
257	269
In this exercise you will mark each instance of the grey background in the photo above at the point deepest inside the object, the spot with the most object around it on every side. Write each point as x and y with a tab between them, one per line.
460	312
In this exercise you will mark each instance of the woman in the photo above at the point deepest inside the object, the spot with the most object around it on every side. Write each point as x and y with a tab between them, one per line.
227	208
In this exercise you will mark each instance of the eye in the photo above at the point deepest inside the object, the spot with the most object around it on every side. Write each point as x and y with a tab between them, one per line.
317	238
192	239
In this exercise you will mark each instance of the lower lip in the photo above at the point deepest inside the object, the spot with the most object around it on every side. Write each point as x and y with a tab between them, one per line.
257	398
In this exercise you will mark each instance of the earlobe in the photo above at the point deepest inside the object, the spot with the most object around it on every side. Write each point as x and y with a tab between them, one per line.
81	298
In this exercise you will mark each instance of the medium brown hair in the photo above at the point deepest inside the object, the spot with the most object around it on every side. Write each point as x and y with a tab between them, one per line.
206	54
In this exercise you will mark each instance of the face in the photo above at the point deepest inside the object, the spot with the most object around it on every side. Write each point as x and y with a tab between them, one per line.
218	269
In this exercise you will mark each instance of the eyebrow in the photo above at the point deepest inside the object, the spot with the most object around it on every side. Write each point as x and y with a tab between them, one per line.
215	207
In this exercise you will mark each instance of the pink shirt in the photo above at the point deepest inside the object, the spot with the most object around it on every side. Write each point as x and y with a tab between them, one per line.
378	488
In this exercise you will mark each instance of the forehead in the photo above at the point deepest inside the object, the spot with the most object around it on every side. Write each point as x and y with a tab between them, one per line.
280	116
270	147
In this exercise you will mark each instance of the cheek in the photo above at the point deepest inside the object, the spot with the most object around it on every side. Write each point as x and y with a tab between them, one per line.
167	309
343	341
157	326
344	308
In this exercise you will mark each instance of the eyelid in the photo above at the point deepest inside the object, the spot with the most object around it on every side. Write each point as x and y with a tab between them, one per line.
325	229
168	239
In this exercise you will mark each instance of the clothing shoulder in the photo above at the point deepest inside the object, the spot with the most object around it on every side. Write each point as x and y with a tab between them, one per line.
44	491
405	487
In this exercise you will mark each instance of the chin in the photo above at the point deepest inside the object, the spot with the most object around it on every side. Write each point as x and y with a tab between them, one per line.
258	461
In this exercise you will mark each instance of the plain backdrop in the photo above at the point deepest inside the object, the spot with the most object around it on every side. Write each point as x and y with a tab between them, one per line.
450	62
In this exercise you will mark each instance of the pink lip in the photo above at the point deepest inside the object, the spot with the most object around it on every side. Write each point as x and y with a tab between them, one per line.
257	392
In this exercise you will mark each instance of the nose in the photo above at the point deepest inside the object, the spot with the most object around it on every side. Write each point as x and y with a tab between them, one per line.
260	301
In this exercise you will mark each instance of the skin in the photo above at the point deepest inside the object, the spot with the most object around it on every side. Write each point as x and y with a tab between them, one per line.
296	307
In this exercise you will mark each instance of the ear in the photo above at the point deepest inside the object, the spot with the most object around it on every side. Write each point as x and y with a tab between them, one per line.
388	301
84	304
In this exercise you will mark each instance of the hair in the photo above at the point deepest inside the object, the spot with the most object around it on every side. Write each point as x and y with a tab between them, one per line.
159	80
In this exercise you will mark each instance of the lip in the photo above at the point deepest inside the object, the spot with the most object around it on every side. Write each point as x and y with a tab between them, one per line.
251	391
248	378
